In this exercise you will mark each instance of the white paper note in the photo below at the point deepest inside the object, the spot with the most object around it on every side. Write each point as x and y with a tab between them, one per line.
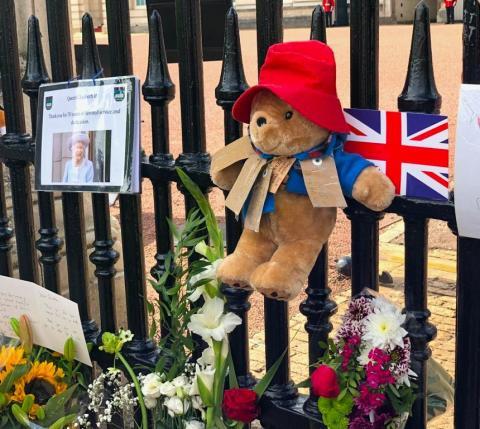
467	163
53	318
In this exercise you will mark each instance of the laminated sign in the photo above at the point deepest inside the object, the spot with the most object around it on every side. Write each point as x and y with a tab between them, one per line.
88	136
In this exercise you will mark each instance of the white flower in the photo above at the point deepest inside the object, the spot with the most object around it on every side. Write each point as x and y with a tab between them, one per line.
180	381
125	336
210	322
383	329
207	358
201	248
151	386
176	406
168	389
206	375
209	273
150	402
194	424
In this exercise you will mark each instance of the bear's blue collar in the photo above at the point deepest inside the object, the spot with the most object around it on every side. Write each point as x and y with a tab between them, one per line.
334	141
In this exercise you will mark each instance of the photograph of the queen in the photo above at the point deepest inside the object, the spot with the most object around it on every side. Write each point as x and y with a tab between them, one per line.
79	169
81	158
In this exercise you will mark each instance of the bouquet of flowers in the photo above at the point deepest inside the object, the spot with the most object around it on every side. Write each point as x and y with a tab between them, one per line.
38	388
364	377
181	392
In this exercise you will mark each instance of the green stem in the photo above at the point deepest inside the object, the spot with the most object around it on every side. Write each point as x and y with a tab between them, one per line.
134	378
210	417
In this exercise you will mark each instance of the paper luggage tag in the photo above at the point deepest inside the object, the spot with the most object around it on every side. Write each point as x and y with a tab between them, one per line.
280	168
242	186
236	151
259	194
322	183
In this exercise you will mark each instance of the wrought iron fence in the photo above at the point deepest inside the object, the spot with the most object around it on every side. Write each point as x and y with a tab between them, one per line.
283	407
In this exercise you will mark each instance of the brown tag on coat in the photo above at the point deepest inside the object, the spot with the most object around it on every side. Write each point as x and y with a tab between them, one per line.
322	183
259	195
280	168
236	151
245	180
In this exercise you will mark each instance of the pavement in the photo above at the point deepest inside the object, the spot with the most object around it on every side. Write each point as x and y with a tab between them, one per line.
441	303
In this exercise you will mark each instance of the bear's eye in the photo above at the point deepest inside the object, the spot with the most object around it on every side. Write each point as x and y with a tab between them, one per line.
288	115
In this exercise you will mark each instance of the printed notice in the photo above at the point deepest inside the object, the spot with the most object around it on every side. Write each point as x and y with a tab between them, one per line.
53	318
88	136
467	160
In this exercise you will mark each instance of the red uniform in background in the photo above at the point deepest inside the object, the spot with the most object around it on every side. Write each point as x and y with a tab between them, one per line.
328	6
450	8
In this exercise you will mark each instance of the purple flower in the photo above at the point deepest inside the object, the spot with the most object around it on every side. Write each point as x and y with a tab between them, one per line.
360	422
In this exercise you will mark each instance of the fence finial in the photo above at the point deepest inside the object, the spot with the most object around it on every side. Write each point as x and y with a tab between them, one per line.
158	85
36	71
232	79
420	92
318	29
91	66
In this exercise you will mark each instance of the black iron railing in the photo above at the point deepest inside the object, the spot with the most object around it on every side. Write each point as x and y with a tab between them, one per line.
282	406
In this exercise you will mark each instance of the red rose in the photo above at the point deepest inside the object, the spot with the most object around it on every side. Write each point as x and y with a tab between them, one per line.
324	382
240	405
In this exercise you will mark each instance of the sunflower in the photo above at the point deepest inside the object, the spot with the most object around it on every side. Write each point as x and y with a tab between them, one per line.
44	380
10	357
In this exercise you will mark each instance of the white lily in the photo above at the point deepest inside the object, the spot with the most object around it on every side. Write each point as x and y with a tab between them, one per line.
206	376
211	323
209	273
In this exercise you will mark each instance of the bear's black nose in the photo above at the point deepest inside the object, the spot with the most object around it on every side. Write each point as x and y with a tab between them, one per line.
261	121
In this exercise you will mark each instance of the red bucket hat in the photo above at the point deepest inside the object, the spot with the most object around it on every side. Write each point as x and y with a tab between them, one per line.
302	74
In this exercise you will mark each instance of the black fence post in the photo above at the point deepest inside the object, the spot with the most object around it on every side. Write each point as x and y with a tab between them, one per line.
16	138
419	95
318	308
103	256
467	351
49	243
140	349
364	95
270	31
73	214
158	91
232	85
190	65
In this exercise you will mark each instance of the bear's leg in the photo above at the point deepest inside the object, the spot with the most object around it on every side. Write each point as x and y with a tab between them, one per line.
284	276
252	249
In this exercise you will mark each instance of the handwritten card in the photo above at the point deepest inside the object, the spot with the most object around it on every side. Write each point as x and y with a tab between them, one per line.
467	160
53	318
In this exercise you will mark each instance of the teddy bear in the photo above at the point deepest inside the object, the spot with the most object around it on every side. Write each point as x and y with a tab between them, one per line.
287	177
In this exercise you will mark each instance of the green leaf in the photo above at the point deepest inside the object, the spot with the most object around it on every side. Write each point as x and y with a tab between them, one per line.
173	228
205	394
232	376
263	384
56	406
342	394
304	384
214	231
14	375
394	390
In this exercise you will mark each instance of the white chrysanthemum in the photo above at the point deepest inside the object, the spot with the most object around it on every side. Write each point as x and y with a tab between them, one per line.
211	322
384	329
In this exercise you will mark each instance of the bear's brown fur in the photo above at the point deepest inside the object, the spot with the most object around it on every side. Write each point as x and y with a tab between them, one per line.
277	259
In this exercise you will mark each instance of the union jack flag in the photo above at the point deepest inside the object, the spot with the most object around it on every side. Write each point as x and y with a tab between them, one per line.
410	148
